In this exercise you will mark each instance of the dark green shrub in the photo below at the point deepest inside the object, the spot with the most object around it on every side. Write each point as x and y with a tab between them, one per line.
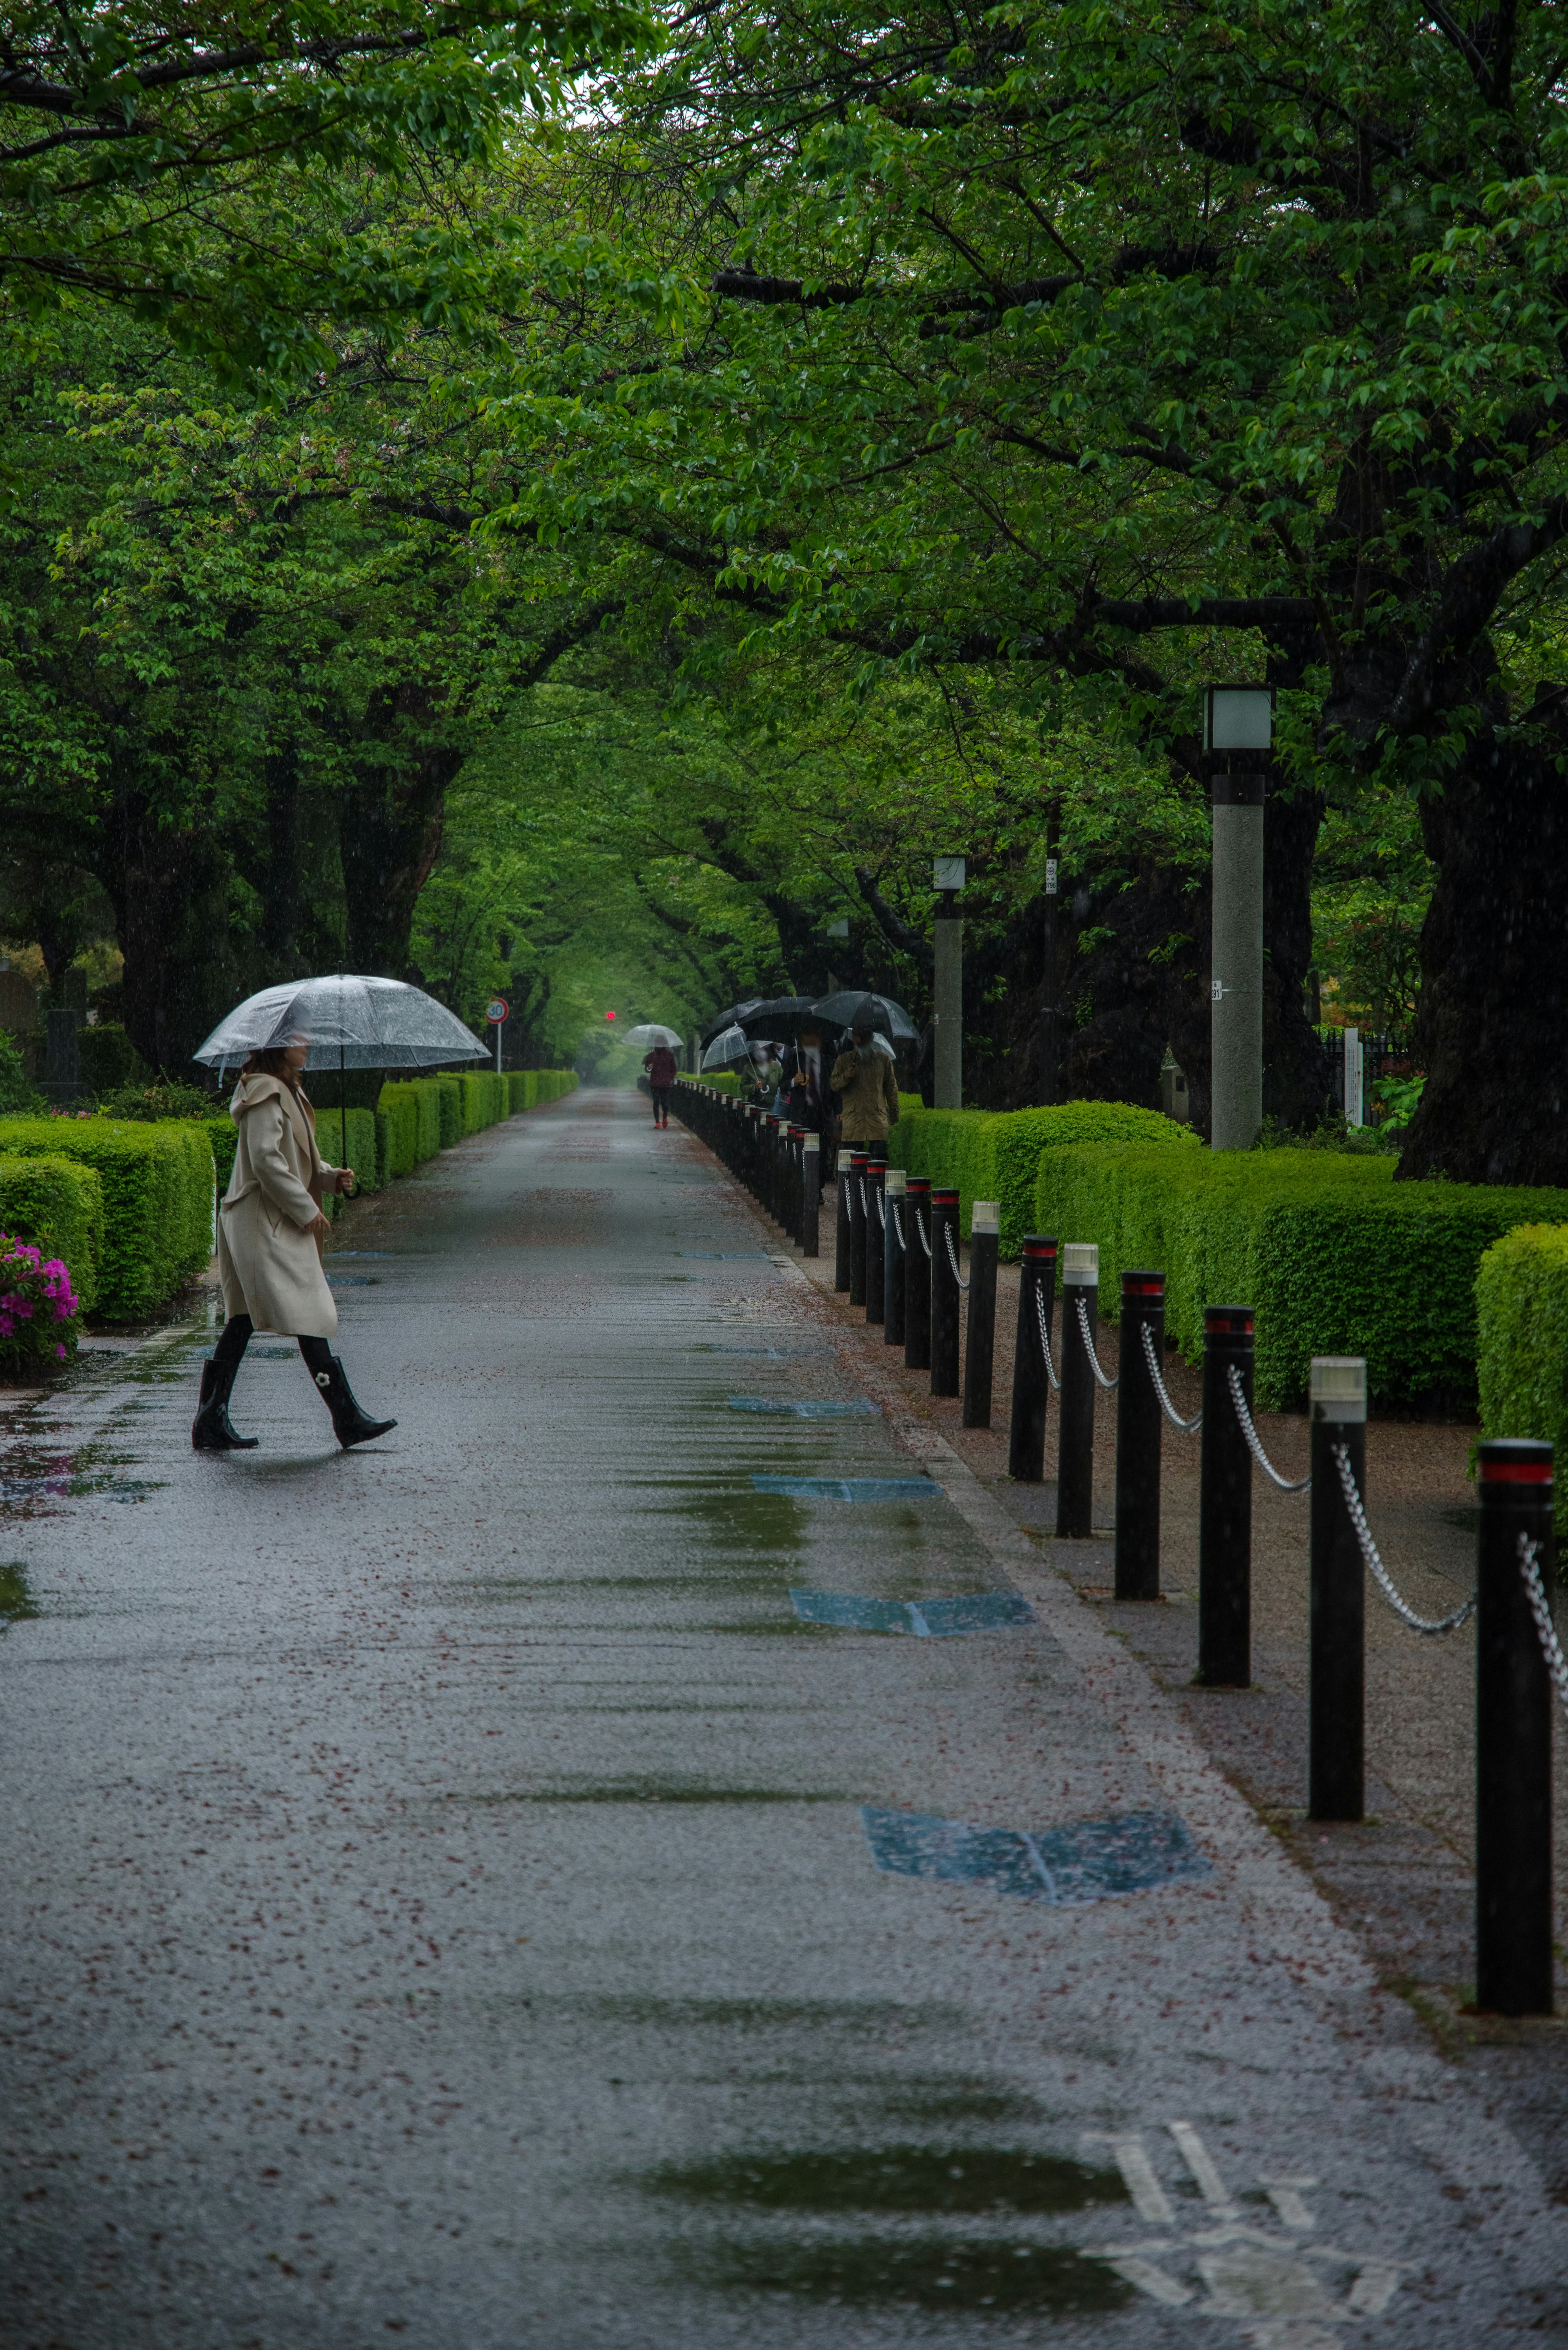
147	1100
108	1059
453	1123
1521	1317
995	1155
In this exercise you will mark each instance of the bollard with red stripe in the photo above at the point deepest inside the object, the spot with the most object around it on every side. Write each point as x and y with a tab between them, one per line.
1138	1419
841	1221
858	1163
918	1273
876	1241
1225	1505
1030	1382
1514	1734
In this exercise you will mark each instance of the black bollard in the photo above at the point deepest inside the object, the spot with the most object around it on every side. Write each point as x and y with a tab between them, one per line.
1030	1382
893	1258
1336	1779
1075	1426
841	1222
811	1195
797	1184
984	1240
1225	1505
1139	1419
857	1166
944	1293
876	1245
916	1273
1514	1734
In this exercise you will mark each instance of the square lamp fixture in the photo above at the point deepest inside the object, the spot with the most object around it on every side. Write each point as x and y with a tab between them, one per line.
1237	717
948	872
838	930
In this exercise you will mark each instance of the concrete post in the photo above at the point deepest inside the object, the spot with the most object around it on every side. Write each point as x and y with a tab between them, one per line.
948	1084
1236	982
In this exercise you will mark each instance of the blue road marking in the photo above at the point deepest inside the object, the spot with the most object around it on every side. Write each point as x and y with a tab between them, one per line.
809	1410
931	1619
1096	1861
850	1489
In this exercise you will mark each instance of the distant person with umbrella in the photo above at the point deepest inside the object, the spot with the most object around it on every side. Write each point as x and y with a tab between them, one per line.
270	1229
801	1082
867	1091
661	1074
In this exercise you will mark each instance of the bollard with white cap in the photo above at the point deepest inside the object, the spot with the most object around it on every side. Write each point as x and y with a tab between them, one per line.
858	1163
893	1259
875	1248
1337	1731
841	1234
810	1194
984	1240
1075	1429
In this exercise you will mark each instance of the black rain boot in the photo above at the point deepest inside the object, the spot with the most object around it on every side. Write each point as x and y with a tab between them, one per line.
350	1423
212	1431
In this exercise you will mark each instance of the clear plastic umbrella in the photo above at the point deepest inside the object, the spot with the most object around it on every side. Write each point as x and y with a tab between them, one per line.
651	1032
352	1024
731	1047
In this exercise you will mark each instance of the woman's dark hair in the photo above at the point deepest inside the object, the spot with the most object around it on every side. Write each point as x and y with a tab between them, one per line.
270	1063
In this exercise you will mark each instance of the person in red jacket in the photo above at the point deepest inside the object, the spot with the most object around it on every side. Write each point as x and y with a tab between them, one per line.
660	1066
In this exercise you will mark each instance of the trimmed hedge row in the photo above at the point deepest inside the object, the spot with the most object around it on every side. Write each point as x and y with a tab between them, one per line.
995	1155
1334	1257
1521	1315
57	1204
157	1182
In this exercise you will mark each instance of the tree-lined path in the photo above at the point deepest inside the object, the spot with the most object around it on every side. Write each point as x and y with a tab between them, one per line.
456	1897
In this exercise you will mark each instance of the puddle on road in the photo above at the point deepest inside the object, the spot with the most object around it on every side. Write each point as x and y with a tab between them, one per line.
1006	2278
948	2179
16	1600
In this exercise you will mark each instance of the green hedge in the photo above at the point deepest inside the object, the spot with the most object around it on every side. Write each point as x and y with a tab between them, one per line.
1521	1315
157	1198
453	1117
57	1204
413	1104
484	1099
995	1155
225	1136
1334	1257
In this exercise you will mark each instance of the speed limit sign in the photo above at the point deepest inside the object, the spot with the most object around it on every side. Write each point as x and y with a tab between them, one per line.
497	1009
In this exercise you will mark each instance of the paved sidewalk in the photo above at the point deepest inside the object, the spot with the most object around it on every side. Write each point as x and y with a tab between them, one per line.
458	1896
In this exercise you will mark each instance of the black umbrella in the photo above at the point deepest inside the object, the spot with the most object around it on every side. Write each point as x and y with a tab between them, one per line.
852	1009
786	1015
732	1013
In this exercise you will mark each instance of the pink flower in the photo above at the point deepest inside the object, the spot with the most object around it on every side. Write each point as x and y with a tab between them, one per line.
61	1353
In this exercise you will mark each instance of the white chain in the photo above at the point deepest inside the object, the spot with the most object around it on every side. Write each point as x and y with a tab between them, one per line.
952	1256
920	1228
1089	1345
1188	1427
1369	1552
897	1221
1045	1339
1254	1442
881	1212
1541	1609
864	1209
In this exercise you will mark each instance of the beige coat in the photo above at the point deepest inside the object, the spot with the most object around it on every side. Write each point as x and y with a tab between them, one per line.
869	1091
269	1261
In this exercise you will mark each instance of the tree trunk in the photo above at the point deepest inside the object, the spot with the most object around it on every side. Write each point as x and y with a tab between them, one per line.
1490	1029
390	826
169	890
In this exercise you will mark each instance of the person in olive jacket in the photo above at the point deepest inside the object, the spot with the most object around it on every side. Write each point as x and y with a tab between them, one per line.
867	1089
270	1229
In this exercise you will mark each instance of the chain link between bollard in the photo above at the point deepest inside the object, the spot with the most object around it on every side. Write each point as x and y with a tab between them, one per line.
881	1212
1255	1443
1541	1609
1089	1347
864	1209
920	1228
897	1221
1186	1427
1046	1340
952	1256
1369	1552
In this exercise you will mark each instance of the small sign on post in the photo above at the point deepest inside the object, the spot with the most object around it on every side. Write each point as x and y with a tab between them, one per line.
496	1011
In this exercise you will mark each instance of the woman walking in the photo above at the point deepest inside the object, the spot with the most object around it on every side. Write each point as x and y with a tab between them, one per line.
270	1229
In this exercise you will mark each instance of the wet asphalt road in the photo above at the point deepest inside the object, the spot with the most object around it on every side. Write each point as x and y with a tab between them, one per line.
442	1893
